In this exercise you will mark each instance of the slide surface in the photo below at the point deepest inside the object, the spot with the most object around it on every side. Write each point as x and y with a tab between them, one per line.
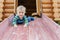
39	29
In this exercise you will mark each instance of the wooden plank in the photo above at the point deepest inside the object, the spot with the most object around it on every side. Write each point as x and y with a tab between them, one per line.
49	15
7	15
57	19
1	10
59	12
8	2
47	2
38	5
48	7
1	0
8	11
8	7
47	11
58	7
55	5
1	16
1	5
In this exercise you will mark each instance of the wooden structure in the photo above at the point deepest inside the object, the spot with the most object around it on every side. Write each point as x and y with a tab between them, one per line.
1	9
51	8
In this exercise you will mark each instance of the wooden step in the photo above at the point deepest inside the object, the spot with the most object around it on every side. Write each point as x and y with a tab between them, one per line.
58	11
8	12
57	19
7	15
1	10
58	2
59	7
47	2
50	16
1	0
48	7
8	7
8	2
48	12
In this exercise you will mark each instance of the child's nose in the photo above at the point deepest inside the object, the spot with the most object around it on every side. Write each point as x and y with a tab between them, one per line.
20	13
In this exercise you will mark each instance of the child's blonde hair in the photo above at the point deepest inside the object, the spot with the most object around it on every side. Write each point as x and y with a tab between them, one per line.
22	8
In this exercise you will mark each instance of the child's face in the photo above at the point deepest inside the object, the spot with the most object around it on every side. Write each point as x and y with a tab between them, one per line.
21	14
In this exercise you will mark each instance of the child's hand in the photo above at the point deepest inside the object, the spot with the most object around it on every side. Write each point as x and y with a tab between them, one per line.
15	25
25	25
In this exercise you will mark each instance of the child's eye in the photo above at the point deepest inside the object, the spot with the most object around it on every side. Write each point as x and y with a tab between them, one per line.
20	12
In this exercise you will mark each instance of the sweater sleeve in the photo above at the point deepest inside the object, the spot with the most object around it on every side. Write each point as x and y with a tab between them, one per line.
15	19
26	20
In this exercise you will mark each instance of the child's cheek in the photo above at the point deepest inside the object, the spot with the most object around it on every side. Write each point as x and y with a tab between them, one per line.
23	14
